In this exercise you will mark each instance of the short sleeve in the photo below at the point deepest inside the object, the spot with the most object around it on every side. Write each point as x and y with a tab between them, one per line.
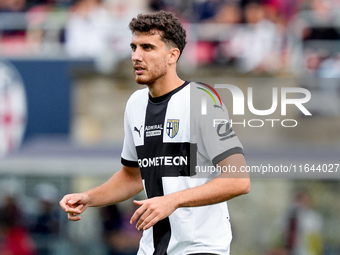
211	127
129	154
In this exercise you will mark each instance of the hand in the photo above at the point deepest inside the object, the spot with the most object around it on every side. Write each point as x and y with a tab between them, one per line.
152	210
74	205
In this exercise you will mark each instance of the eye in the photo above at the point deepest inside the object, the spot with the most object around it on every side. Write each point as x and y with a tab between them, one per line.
147	47
133	47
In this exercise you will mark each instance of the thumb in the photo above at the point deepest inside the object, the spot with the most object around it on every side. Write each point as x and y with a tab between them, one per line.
73	200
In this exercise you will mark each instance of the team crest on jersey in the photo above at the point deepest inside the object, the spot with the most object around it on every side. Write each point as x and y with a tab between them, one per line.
13	109
172	127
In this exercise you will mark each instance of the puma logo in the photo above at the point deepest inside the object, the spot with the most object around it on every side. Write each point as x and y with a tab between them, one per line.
138	130
218	106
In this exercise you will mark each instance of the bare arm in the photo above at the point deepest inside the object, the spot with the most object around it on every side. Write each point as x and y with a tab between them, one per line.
125	184
223	188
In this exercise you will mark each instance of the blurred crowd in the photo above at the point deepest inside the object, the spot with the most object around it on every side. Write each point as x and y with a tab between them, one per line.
29	232
251	35
35	225
300	230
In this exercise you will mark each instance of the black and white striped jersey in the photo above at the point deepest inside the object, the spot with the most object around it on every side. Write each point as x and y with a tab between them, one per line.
170	139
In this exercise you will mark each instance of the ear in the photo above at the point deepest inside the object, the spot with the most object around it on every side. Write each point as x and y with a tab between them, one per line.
173	55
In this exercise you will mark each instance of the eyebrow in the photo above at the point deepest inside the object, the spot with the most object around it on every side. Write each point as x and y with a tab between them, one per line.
148	44
143	45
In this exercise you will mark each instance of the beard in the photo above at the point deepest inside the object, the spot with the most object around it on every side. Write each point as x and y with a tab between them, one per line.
152	75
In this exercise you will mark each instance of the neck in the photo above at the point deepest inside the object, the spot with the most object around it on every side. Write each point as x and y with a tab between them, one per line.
164	85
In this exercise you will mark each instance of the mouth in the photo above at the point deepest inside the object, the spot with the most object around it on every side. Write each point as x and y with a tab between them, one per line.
138	69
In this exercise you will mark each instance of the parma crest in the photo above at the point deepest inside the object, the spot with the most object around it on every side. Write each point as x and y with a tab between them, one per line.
172	127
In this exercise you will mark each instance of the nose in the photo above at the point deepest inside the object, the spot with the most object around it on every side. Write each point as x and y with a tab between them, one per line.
136	55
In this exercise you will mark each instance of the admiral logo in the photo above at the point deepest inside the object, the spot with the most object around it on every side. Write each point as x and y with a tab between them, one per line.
154	130
163	161
13	109
172	127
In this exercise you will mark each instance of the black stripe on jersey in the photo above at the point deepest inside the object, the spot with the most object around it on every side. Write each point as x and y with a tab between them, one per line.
220	157
158	160
155	115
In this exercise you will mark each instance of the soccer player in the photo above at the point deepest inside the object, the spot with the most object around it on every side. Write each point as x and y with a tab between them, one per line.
185	211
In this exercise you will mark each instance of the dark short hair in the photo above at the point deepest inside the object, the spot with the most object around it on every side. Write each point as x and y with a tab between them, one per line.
172	29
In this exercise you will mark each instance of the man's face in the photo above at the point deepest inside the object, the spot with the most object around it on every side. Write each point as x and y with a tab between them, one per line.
149	57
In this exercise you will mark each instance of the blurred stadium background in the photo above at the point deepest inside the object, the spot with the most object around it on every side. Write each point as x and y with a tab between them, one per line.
65	76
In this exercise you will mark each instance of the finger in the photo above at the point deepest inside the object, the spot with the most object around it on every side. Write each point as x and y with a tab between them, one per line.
63	202
137	214
143	220
66	207
80	208
73	210
140	202
73	200
74	217
150	224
